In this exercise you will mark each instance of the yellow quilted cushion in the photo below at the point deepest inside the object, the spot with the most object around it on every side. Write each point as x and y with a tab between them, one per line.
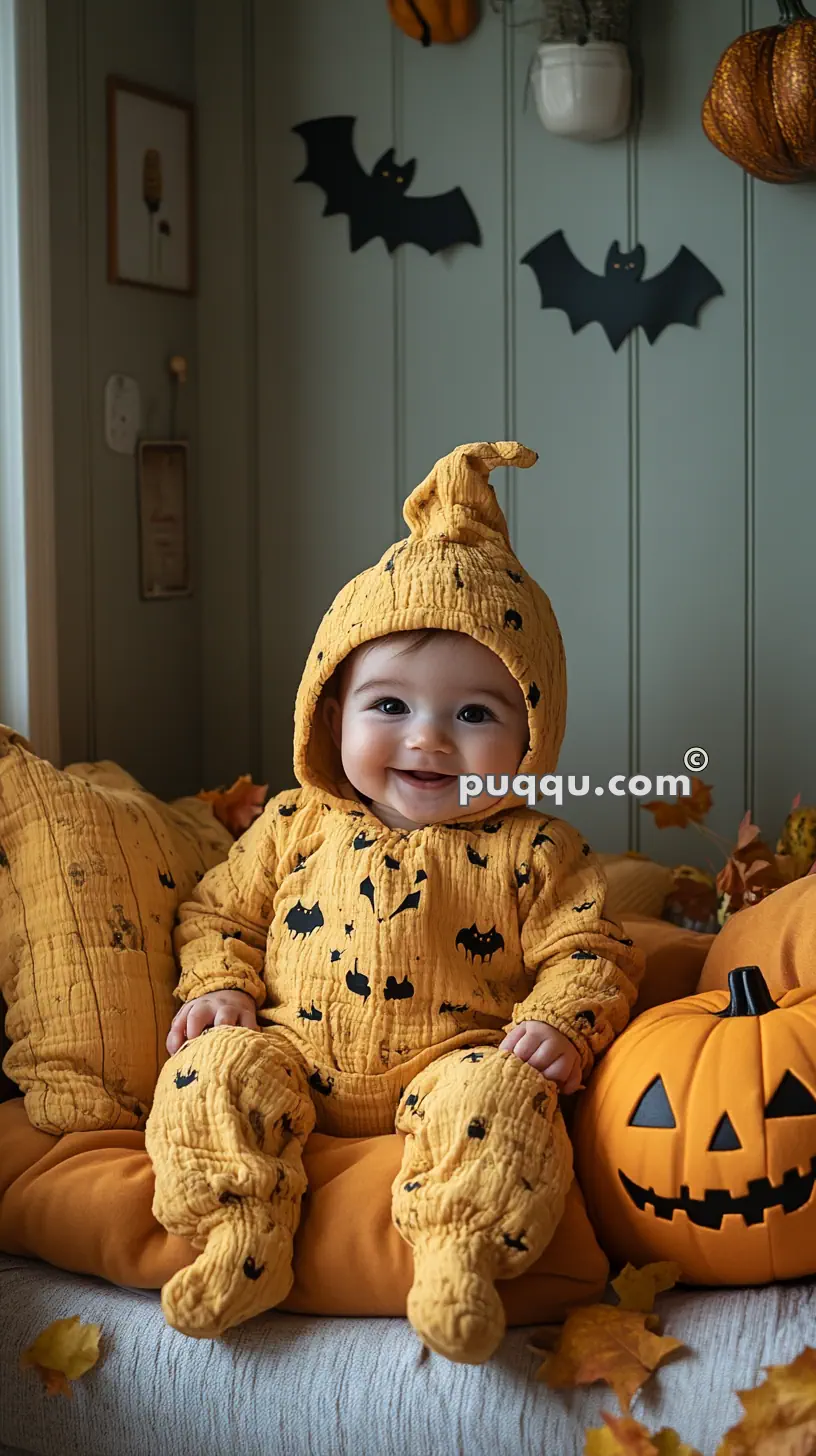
92	869
635	885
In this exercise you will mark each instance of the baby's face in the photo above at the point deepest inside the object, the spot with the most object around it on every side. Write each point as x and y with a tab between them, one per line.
408	723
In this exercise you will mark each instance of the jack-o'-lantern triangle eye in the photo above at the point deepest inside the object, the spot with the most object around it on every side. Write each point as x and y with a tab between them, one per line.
724	1139
791	1099
654	1108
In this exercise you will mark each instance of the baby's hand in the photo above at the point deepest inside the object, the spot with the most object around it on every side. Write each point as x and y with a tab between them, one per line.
552	1054
217	1008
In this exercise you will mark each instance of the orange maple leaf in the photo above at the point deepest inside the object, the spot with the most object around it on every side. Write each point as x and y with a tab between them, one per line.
691	809
623	1436
780	1415
600	1342
238	806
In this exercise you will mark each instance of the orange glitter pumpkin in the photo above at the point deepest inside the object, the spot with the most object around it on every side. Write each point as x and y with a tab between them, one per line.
761	107
435	21
696	1140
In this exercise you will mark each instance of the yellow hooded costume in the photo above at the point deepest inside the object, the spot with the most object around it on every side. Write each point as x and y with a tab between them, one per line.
386	966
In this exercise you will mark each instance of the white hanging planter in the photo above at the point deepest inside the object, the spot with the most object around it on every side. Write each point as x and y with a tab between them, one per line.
583	91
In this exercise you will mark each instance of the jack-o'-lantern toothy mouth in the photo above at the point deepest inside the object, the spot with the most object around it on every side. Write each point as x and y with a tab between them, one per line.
792	1193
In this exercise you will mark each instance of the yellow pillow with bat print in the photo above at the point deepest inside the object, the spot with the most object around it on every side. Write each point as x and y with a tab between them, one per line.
92	868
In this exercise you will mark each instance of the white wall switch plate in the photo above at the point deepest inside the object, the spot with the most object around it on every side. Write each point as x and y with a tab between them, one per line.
123	409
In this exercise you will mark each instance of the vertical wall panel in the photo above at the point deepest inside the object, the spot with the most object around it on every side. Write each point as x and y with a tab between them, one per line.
571	404
326	342
692	459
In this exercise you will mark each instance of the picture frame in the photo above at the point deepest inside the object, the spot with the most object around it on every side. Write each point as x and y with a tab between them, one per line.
164	534
151	188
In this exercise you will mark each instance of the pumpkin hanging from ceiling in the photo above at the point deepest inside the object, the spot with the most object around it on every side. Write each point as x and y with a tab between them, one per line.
696	1139
761	106
435	22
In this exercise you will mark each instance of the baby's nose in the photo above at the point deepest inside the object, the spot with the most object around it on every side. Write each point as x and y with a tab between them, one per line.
429	735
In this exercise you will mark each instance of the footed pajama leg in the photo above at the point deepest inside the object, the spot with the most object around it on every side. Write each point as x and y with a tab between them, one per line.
482	1187
231	1114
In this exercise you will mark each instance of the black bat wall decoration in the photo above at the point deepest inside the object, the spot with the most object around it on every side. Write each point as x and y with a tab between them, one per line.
621	299
376	203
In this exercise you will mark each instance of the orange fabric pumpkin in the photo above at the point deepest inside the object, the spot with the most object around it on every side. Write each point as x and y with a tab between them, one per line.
779	932
440	21
761	107
696	1140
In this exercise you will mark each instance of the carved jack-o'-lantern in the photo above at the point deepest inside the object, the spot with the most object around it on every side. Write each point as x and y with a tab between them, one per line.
696	1140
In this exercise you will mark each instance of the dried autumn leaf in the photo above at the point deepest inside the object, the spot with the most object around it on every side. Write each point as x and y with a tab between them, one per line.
623	1436
691	809
239	805
636	1288
747	831
600	1342
780	1415
63	1351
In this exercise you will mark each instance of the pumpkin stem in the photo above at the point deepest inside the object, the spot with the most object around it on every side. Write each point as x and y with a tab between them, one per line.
790	10
425	36
749	993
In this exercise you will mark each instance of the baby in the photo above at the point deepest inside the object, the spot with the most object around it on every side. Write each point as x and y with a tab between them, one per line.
412	963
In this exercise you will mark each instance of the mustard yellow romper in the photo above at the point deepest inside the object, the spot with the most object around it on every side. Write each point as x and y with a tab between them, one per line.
386	965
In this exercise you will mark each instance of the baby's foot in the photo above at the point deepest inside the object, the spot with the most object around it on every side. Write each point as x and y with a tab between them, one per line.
244	1269
453	1304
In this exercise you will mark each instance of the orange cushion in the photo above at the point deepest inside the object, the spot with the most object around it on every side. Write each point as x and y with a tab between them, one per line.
674	959
83	1202
778	935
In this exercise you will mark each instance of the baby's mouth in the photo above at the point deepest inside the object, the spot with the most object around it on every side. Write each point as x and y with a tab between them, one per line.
423	779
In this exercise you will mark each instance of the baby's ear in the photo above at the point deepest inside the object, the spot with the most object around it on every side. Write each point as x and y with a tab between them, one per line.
332	716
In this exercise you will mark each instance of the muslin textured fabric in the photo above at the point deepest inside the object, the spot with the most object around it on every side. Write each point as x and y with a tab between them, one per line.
386	965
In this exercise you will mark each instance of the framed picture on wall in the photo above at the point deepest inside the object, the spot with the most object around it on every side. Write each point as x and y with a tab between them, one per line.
164	549
151	207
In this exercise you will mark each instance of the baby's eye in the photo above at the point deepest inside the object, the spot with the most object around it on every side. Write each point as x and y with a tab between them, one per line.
391	706
476	713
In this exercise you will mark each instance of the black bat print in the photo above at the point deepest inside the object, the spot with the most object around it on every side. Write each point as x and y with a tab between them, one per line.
457	578
516	1243
585	849
475	858
376	203
541	837
398	990
512	619
481	943
360	841
514	575
448	1009
367	889
324	1088
253	1270
477	1127
409	1187
493	827
285	810
583	955
391	863
409	903
167	880
533	695
419	877
183	1079
412	1099
473	1057
313	1015
350	927
303	920
523	875
587	905
358	983
335	956
355	813
626	941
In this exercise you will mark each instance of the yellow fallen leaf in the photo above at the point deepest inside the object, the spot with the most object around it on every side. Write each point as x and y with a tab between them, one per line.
63	1351
636	1288
780	1414
623	1436
600	1342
